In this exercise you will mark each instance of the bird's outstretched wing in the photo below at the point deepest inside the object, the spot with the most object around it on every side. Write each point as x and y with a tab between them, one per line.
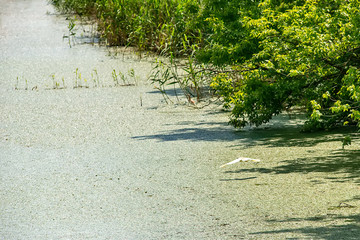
241	159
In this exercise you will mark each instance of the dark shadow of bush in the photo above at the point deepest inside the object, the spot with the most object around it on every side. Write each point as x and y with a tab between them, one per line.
350	231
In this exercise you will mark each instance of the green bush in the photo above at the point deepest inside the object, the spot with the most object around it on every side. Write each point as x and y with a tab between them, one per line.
307	55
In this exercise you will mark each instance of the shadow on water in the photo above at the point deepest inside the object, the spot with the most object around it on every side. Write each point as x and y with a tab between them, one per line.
340	161
170	92
338	166
350	231
237	179
177	91
342	166
282	133
193	134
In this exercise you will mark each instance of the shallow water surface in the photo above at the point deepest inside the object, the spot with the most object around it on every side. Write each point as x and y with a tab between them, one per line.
90	162
102	161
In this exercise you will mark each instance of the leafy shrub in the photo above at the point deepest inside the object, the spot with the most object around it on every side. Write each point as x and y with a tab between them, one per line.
307	55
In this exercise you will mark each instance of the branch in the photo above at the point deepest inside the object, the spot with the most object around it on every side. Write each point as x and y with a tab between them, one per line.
338	67
215	71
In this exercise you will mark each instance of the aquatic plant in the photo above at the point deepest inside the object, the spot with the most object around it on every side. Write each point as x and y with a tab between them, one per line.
80	82
115	77
63	81
95	78
163	75
55	83
17	84
72	31
132	76
346	141
125	79
187	75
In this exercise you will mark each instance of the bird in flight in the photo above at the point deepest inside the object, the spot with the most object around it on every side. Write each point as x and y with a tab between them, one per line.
241	159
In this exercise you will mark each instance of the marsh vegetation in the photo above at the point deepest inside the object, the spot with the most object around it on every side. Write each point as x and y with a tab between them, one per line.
260	57
54	82
78	147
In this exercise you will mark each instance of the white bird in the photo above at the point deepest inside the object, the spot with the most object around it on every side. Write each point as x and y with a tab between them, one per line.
241	159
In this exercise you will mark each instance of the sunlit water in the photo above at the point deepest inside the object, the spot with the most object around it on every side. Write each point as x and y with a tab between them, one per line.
112	162
100	161
33	48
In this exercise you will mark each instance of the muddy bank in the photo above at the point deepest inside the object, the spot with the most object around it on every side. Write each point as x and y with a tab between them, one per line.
118	163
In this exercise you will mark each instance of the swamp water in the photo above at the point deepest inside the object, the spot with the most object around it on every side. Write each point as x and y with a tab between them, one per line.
100	161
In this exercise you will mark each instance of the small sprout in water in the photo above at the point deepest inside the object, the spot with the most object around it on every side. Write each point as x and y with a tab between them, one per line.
115	77
132	73
72	26
95	78
123	78
77	78
17	83
63	81
346	141
85	81
55	84
133	76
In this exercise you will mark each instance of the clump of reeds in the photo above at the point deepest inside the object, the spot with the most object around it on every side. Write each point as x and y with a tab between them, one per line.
171	28
156	25
119	79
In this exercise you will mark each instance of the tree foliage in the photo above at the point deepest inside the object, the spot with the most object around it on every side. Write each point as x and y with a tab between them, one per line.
227	38
307	55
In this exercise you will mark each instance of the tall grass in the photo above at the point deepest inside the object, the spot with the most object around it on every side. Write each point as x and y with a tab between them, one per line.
172	28
156	25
